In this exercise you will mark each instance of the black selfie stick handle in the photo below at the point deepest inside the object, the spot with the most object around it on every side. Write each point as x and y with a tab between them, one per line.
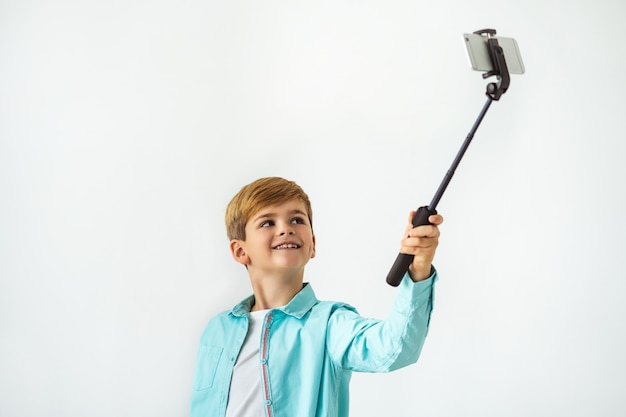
401	265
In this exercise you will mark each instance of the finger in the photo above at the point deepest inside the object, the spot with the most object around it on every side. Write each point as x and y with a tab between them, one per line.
435	219
421	241
418	244
425	231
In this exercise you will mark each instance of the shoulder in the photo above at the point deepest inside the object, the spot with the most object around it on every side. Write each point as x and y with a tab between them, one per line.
330	308
221	321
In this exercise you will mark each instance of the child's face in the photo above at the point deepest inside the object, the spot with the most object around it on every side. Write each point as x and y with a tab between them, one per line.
278	238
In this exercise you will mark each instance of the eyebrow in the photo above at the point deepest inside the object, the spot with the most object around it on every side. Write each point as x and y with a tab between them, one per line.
271	215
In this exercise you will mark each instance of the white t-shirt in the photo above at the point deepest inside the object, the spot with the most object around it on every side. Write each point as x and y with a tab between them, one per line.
245	398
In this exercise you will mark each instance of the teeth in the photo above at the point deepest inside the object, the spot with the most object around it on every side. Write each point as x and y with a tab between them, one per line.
287	246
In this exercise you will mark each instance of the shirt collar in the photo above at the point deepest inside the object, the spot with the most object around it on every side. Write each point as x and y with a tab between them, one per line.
299	305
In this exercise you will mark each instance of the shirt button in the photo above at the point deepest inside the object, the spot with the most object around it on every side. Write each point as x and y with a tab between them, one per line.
263	361
268	402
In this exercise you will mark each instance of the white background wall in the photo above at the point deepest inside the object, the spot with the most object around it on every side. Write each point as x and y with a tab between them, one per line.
126	127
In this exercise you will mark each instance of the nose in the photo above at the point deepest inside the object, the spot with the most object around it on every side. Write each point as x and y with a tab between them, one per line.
286	229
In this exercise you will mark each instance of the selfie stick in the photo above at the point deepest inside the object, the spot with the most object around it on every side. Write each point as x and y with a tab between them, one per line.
494	92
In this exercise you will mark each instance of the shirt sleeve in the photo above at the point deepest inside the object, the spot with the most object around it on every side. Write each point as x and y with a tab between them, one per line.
371	345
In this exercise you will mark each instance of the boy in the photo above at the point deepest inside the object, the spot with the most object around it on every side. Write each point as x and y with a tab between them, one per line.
283	353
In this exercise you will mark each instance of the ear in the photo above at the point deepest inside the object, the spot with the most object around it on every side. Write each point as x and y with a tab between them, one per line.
238	252
313	248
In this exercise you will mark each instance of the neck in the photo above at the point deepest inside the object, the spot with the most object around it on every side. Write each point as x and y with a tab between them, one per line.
274	292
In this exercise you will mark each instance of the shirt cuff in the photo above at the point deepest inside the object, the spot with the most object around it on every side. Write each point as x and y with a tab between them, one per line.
430	280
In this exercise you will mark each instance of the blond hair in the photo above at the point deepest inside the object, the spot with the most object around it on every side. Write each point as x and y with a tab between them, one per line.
257	195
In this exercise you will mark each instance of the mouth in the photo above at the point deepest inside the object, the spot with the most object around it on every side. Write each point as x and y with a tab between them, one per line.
287	246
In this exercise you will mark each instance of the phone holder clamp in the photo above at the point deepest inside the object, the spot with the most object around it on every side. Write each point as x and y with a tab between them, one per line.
500	69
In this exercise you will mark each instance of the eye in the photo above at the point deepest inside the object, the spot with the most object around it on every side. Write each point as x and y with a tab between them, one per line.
298	220
267	223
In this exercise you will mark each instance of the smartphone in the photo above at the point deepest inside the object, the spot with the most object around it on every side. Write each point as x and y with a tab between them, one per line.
478	53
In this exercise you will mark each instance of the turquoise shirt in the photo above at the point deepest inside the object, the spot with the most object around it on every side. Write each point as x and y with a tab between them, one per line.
309	349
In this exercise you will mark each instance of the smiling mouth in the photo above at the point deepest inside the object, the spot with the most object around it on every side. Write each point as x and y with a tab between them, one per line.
287	246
